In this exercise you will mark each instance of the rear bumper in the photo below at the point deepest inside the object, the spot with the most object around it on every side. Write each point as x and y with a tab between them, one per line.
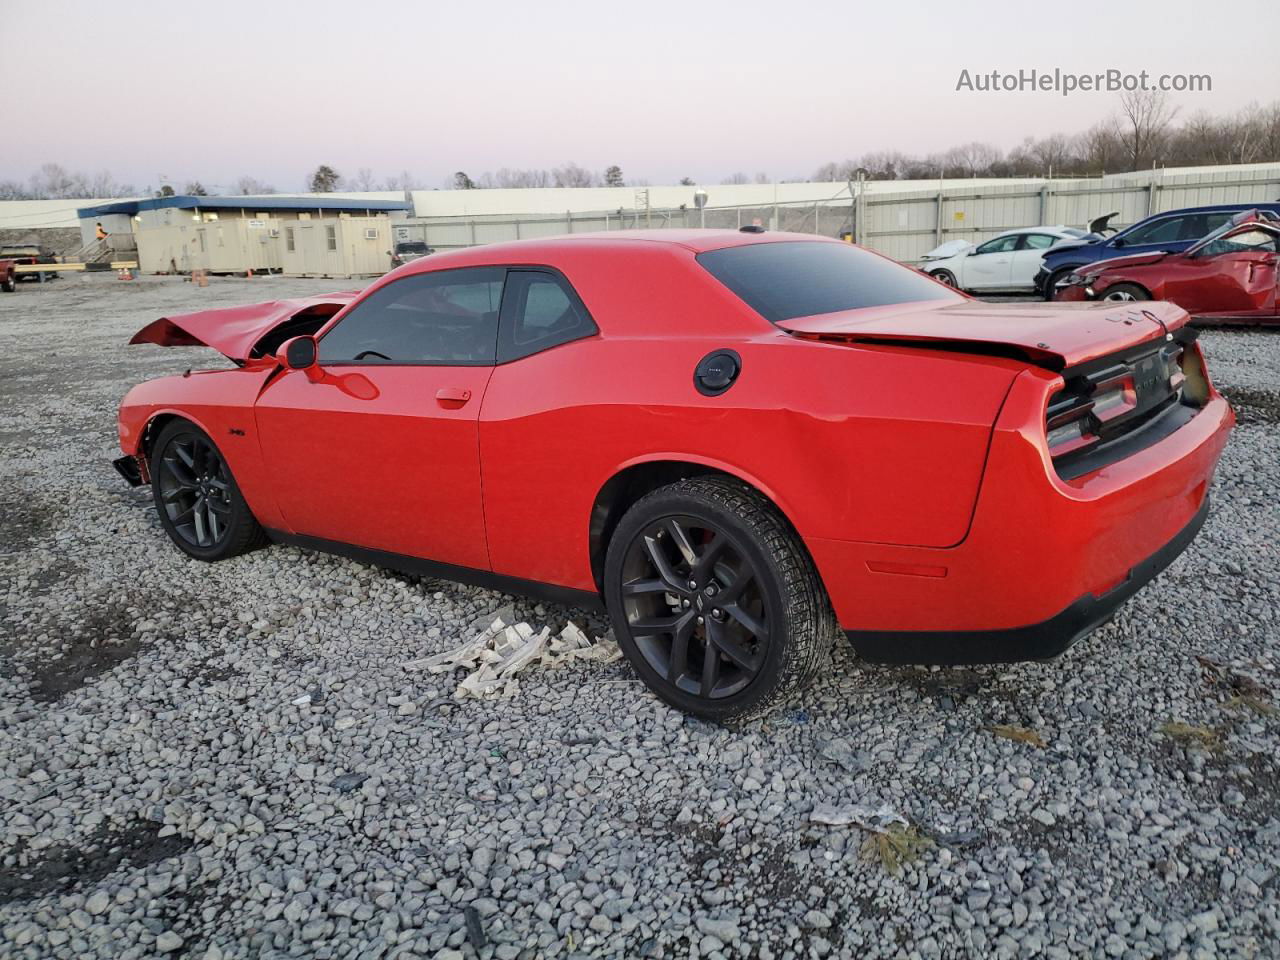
1045	559
1039	641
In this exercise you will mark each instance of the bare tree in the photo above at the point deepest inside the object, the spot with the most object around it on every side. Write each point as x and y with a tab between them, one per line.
973	159
1100	148
736	178
363	181
1145	118
572	175
403	181
194	188
249	186
515	179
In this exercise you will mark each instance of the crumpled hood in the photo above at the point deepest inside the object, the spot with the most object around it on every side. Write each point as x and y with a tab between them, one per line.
1052	335
235	332
1119	263
1089	241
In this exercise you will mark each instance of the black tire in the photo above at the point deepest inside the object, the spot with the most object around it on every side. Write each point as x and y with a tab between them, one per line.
1125	292
1051	284
944	276
772	636
196	497
10	285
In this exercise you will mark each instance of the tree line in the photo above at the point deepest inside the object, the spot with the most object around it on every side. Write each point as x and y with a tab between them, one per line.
1145	131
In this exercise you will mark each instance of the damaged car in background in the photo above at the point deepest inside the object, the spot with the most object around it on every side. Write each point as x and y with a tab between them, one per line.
741	445
1230	276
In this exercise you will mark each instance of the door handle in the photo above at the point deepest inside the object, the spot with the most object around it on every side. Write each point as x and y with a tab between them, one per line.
452	396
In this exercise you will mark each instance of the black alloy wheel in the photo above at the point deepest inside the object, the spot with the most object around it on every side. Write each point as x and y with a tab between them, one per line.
694	607
196	496
714	599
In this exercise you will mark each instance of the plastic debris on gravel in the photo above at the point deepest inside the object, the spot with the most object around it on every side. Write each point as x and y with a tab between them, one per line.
876	819
499	652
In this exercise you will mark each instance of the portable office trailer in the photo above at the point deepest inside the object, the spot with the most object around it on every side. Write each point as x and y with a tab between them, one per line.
217	246
336	247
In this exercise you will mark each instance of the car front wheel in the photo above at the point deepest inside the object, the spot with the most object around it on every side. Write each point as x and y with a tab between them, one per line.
944	276
196	496
715	601
1126	292
1055	278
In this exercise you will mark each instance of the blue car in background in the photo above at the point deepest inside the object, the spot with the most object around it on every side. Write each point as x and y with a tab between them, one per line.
1171	231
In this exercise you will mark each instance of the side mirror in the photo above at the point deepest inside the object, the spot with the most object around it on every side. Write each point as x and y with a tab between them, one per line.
298	353
1118	242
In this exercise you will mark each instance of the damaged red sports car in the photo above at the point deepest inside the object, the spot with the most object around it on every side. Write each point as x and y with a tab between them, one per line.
739	444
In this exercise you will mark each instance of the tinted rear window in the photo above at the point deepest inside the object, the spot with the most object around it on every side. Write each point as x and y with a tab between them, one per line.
798	279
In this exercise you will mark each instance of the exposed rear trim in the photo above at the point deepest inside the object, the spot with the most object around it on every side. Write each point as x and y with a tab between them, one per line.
129	468
1038	641
446	571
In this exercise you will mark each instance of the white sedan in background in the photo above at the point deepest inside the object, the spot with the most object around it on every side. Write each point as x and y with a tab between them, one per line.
1007	263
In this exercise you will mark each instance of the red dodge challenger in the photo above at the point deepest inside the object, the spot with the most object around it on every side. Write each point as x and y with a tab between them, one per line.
1230	276
739	444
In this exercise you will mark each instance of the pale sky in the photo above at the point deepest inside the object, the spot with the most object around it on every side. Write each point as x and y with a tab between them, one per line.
664	89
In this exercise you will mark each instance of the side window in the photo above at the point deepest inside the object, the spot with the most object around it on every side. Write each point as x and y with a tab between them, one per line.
443	318
1207	223
1038	241
331	237
539	311
1161	231
999	245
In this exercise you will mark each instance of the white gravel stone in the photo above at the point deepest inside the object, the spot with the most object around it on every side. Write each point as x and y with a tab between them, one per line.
146	704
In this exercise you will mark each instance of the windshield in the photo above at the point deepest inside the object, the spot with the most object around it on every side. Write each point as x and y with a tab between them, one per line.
412	246
784	280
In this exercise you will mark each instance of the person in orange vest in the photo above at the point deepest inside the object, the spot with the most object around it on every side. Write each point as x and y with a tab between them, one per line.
100	233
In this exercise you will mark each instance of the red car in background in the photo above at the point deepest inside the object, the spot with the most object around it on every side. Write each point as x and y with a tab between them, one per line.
738	444
1229	276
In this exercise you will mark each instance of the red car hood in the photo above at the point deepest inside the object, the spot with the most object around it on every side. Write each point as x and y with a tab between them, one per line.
1053	335
233	331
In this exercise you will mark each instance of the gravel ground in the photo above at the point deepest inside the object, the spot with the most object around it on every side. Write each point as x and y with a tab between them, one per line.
162	793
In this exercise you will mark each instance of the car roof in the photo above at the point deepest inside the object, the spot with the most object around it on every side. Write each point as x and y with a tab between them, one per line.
537	249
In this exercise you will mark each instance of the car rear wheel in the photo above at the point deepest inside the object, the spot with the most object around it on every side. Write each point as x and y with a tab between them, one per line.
1126	292
196	496
944	276
10	285
715	601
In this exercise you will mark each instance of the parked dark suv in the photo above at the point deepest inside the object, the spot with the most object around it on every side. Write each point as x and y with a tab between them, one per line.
1172	231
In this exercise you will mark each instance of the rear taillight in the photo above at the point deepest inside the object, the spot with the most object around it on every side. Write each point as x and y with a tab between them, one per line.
1104	404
